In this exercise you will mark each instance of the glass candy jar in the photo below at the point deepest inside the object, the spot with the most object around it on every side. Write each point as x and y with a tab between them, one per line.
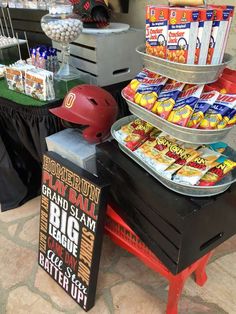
62	26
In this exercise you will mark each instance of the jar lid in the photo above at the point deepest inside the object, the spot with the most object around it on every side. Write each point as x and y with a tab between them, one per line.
60	7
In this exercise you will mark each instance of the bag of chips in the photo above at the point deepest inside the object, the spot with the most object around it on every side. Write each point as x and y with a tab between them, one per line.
216	174
148	92
221	110
167	99
194	170
206	100
185	105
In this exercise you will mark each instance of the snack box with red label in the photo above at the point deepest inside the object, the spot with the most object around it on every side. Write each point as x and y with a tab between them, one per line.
231	8
219	38
182	35
157	30
204	35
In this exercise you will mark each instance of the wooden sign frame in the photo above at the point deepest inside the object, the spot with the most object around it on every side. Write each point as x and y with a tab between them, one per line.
72	216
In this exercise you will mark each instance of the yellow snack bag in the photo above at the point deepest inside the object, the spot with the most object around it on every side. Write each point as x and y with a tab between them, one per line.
185	105
148	92
167	99
219	112
188	155
194	170
206	100
217	173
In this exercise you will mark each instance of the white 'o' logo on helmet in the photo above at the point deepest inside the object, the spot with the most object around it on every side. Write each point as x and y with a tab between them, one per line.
70	99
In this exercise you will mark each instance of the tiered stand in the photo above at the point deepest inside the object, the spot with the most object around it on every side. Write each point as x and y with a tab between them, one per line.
190	74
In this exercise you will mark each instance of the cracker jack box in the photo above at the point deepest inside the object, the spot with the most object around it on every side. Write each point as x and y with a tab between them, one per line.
204	35
147	27
231	8
219	35
182	34
158	17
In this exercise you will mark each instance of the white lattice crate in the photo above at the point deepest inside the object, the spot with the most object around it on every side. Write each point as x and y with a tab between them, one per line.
107	58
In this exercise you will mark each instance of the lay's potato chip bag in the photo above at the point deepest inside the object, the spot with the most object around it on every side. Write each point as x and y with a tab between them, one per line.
204	103
185	105
217	173
167	99
218	112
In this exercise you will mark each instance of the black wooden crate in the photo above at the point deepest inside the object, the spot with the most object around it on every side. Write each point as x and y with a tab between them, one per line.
178	229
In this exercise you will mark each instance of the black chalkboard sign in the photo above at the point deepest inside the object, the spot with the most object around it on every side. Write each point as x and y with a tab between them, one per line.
73	208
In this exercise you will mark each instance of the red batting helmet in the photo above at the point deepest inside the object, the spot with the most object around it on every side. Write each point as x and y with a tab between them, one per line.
91	107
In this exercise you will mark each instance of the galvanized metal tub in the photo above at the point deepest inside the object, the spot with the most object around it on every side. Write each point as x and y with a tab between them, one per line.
186	73
194	136
194	191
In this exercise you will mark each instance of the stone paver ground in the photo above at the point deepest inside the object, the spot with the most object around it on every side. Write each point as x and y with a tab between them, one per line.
125	285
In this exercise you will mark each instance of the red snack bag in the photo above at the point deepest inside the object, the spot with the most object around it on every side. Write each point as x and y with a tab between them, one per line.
138	136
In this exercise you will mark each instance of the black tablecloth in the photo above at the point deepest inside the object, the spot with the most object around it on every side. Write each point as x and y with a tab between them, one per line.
22	143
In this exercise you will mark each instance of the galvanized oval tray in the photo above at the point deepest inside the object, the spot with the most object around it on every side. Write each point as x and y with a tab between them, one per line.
194	191
194	136
186	73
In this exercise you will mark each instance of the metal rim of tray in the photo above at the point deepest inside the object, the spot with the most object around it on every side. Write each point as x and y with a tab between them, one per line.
21	42
193	136
194	191
186	73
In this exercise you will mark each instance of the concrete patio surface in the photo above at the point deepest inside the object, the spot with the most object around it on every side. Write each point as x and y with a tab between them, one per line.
125	285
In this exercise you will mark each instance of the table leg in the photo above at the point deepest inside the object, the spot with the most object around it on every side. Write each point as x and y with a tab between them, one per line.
175	289
200	272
